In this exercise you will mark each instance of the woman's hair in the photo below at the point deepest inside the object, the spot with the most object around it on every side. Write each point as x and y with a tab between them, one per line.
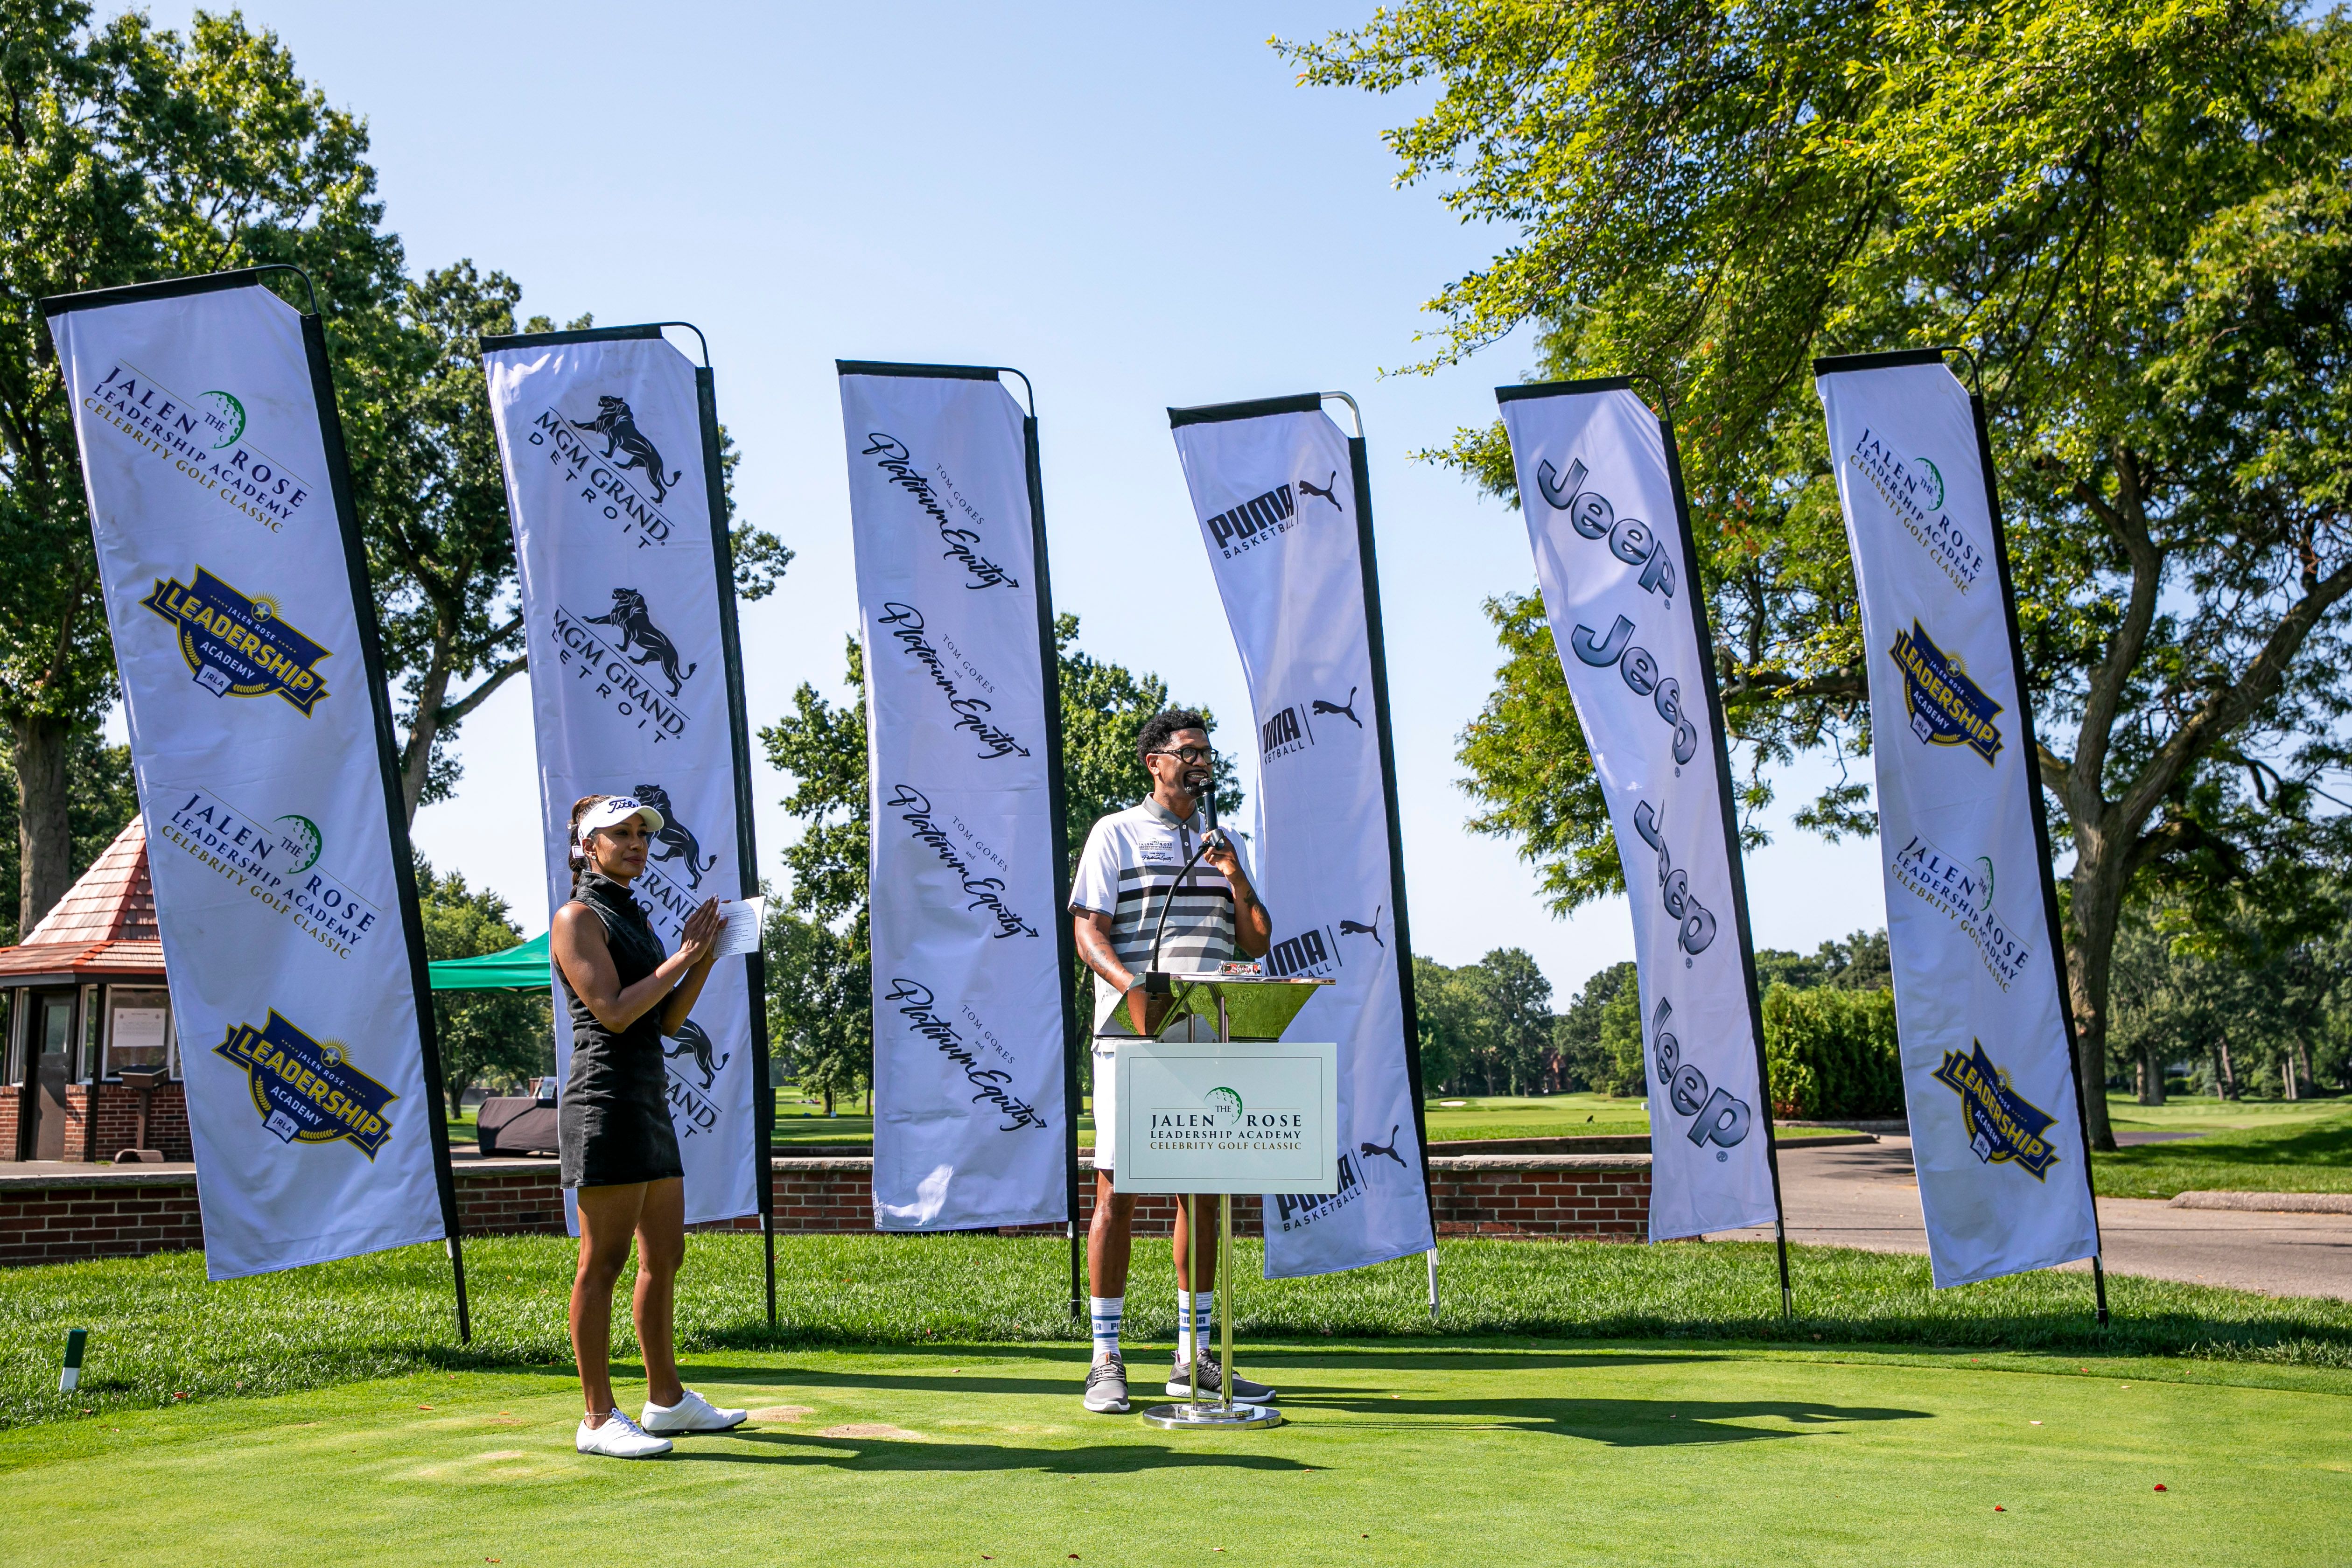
578	852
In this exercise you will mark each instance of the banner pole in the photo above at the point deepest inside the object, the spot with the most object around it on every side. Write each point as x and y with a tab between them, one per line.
403	854
747	855
1376	646
2029	750
1719	734
1065	951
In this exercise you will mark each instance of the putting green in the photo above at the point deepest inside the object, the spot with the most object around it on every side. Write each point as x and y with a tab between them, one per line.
1395	1456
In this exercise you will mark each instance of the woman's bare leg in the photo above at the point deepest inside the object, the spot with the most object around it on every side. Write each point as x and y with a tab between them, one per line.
608	1217
661	1249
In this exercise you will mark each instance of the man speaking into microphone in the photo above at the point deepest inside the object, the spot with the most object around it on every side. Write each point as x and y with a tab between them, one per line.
1133	889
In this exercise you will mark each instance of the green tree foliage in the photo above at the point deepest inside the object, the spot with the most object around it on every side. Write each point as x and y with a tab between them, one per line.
1860	962
493	1037
2133	212
822	746
1584	1062
819	1004
100	799
1513	1003
1621	1041
1448	1011
1829	1051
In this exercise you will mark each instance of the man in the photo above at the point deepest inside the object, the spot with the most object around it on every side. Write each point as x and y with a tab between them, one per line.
1128	876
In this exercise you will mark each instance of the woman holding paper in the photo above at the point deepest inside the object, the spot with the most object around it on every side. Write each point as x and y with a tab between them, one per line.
619	1153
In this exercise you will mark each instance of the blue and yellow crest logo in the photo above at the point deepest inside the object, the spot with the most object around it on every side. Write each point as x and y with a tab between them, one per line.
239	646
305	1090
2005	1126
1947	707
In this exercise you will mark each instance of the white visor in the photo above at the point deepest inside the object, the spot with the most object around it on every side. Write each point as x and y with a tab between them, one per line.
615	809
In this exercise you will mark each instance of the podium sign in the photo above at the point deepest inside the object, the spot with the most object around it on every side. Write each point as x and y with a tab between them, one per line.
1227	1116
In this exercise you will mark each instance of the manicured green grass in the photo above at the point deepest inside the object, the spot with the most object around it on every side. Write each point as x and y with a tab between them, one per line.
160	1334
1527	1453
2203	1113
2303	1154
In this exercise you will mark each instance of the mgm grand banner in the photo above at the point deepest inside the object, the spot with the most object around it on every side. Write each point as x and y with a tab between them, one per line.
1971	914
261	736
609	446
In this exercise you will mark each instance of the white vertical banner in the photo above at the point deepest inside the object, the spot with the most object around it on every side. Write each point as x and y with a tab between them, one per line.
600	433
1606	520
237	593
1279	492
1988	1074
971	1123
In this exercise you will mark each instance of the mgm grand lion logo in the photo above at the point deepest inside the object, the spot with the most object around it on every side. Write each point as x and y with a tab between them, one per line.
238	644
626	447
644	642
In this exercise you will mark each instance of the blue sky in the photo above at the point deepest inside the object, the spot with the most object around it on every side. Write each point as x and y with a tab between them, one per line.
1137	206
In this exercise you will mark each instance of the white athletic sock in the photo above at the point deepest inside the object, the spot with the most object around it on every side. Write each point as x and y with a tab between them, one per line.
1107	1312
1196	1320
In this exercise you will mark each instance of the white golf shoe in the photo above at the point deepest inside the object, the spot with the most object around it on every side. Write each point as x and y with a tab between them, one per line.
619	1438
692	1413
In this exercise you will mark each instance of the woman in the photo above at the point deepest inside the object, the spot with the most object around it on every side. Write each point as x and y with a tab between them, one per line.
619	1150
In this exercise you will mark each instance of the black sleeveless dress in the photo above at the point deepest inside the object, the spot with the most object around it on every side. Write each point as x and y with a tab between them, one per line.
613	1124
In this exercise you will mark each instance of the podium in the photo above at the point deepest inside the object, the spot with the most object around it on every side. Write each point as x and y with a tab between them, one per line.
1215	1101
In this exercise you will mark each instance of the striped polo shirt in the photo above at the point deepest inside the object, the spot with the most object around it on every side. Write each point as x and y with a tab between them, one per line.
1127	870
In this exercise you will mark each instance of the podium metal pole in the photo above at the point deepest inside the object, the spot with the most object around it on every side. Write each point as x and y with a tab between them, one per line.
1225	1299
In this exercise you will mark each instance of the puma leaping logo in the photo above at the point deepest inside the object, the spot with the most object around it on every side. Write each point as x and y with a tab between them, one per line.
1308	486
1367	1149
1356	927
1345	710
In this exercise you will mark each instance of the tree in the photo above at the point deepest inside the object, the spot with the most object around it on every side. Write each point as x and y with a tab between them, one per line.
1860	962
2133	212
486	1036
1448	1013
820	1003
1514	1009
100	800
1584	1062
129	152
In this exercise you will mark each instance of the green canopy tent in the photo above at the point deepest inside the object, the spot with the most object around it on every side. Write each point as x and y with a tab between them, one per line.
523	968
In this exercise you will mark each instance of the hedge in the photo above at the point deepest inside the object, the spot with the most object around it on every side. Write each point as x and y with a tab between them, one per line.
1832	1052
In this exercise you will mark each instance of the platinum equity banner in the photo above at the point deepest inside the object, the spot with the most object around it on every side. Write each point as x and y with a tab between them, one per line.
968	989
1996	1132
234	591
1605	519
601	434
1277	489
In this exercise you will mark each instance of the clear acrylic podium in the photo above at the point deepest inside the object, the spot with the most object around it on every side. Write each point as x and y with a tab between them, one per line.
1241	1009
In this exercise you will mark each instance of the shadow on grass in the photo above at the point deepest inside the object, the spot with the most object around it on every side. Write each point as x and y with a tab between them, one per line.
1619	1423
890	1454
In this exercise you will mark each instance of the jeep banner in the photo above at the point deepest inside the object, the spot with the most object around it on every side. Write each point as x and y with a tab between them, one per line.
237	593
972	972
1604	511
627	598
1285	512
1971	914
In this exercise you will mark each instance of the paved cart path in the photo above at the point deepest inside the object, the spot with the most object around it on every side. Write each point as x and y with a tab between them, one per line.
1866	1197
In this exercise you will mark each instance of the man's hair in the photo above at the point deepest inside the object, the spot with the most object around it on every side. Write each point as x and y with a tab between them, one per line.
1159	727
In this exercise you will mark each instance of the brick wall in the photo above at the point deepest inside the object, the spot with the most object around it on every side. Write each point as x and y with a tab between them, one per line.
118	1121
124	1210
12	1117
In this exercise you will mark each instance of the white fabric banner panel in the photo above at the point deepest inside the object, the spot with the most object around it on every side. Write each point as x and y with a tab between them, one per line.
1277	488
969	1121
1996	1129
232	591
1606	526
600	434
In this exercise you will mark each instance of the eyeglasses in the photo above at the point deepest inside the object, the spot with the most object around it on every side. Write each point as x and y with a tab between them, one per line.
1191	756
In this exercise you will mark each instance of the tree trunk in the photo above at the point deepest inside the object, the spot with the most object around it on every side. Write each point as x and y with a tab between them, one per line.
2225	1084
44	835
416	756
2099	869
2286	1066
2151	1072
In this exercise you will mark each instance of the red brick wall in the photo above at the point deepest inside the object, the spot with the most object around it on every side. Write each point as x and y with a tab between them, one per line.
118	1121
55	1219
12	1108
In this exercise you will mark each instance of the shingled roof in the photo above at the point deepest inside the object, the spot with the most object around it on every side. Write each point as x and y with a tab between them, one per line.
104	926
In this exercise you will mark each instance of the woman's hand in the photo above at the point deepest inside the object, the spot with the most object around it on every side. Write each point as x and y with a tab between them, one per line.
697	941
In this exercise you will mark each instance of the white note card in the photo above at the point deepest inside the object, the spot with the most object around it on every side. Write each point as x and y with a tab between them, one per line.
741	933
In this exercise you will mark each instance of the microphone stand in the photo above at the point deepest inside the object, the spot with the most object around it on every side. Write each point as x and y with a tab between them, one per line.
1155	979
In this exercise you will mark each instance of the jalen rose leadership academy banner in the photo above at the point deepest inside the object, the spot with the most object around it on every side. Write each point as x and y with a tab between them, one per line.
1971	915
237	593
1612	551
627	598
1283	502
967	864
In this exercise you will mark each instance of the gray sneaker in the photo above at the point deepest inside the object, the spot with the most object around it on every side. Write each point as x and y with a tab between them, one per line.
1106	1387
1180	1383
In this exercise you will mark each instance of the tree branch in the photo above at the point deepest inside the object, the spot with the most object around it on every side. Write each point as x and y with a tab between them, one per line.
453	712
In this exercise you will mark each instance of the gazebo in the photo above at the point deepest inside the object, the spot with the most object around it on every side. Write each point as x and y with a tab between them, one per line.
86	1003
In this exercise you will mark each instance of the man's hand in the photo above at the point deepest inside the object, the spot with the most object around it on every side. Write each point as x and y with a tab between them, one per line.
1252	925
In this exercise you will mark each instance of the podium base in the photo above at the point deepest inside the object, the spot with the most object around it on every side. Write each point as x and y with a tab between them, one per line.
1208	1415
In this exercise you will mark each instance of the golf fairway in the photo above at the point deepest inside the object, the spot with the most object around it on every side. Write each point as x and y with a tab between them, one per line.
1394	1454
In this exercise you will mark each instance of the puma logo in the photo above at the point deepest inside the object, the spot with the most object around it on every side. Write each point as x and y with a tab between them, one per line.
637	628
1356	927
1369	1149
675	838
691	1037
619	427
1308	486
1344	710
